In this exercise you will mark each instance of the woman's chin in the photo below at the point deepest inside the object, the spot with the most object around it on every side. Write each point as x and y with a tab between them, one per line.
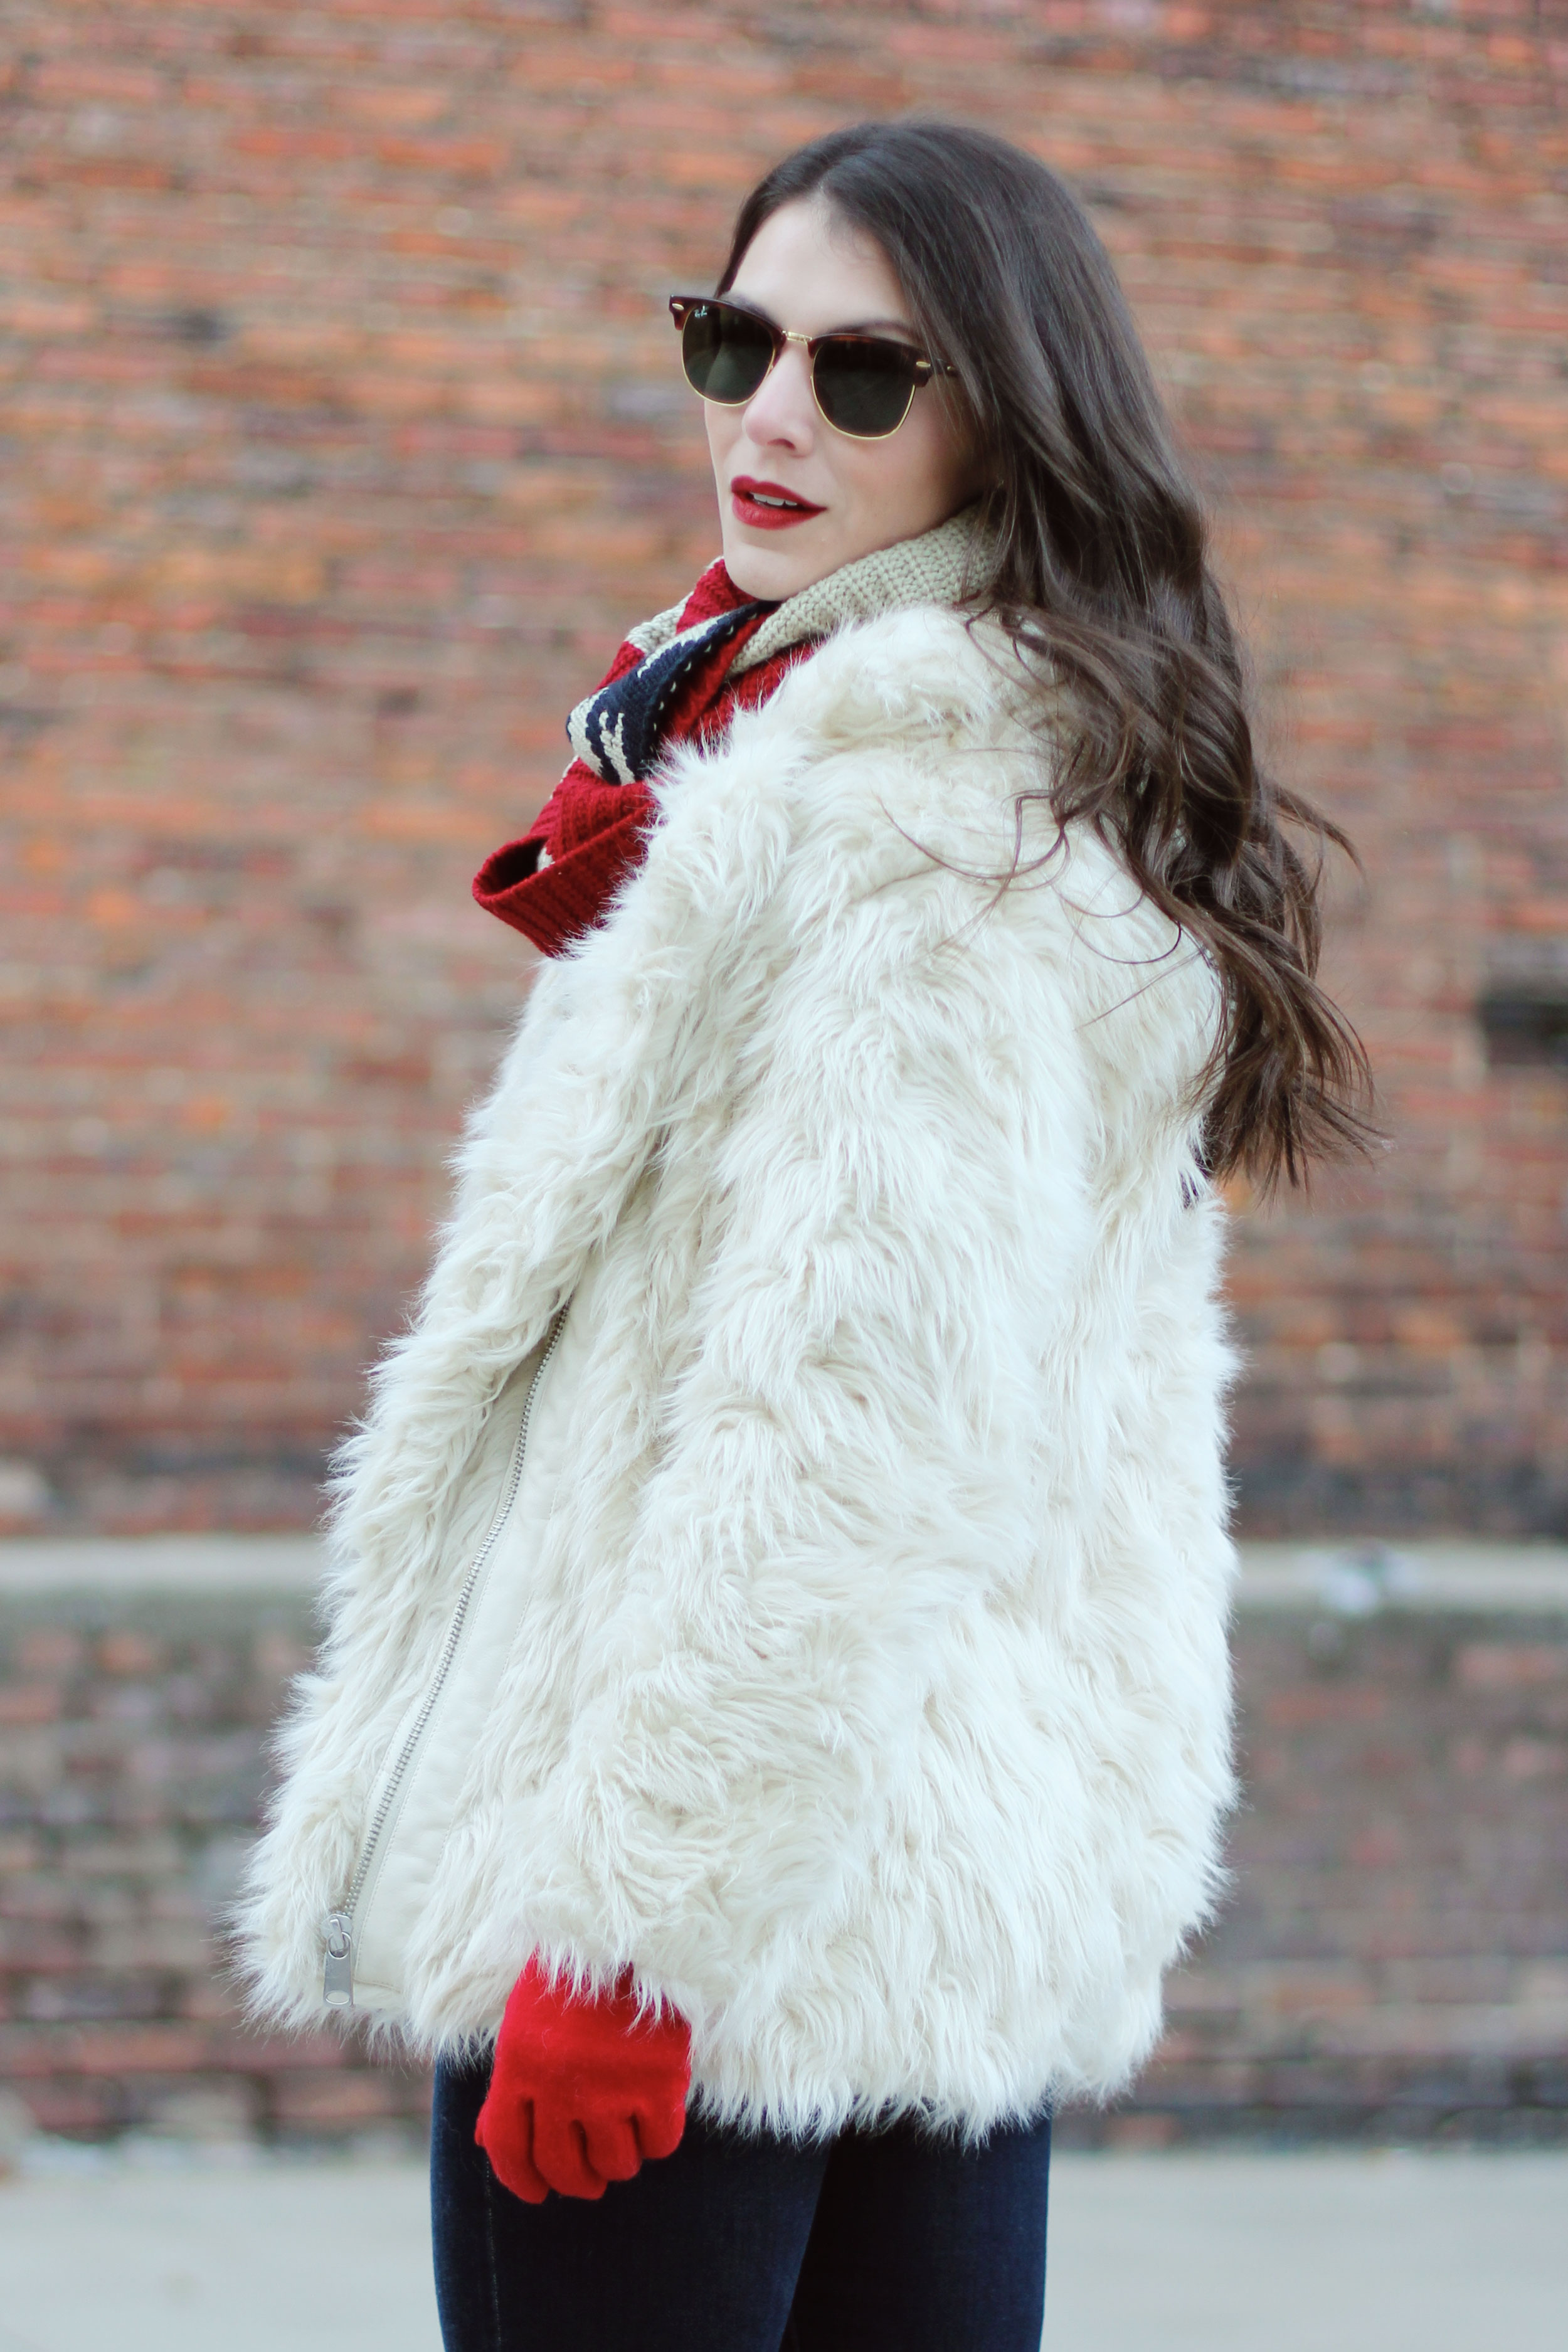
775	573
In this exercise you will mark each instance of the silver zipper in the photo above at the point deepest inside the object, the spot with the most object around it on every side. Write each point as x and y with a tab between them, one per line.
338	1980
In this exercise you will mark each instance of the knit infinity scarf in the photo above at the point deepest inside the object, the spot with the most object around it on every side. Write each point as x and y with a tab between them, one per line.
679	678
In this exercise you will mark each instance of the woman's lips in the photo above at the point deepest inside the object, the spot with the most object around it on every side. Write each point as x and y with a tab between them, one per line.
768	506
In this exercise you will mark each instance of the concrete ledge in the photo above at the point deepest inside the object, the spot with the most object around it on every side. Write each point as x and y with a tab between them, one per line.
1339	1581
161	1564
1359	1579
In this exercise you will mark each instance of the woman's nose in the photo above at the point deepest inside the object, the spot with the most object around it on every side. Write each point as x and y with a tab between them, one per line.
781	409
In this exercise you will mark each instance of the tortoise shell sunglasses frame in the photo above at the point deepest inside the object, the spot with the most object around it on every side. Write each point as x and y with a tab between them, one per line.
864	385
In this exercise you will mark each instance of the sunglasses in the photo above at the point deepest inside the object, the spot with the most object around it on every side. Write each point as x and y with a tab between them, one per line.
863	384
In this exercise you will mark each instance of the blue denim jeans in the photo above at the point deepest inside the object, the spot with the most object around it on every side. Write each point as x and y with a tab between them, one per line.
737	2243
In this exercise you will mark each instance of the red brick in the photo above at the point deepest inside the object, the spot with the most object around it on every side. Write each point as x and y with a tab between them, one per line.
28	1703
128	1653
50	1650
336	2099
1511	1665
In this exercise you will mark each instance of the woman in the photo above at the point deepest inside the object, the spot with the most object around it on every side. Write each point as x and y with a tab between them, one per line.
775	1731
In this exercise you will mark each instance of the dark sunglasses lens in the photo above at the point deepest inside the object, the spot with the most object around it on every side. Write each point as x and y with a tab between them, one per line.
725	353
864	385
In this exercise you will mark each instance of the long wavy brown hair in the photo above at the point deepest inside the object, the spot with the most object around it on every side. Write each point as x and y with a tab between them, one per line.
1102	570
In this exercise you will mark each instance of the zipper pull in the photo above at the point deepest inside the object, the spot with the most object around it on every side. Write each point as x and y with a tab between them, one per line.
338	1981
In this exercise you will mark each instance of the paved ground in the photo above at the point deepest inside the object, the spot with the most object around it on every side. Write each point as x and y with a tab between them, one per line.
1308	2253
1149	2253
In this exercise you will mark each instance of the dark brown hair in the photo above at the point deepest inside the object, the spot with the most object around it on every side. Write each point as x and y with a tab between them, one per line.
1101	568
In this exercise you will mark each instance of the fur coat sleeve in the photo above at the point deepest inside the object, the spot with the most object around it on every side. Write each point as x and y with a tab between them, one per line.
874	1704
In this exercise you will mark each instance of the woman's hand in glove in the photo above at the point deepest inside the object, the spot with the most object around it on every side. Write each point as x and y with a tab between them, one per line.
583	2089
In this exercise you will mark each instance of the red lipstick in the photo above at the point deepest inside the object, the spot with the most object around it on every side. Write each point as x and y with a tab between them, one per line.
768	506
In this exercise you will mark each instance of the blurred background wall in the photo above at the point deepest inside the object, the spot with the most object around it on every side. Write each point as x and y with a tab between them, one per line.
341	435
344	434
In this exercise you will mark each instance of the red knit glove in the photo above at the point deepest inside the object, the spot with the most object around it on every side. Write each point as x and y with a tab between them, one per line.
583	2089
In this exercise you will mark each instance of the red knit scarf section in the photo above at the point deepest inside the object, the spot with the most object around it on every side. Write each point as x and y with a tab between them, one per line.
594	833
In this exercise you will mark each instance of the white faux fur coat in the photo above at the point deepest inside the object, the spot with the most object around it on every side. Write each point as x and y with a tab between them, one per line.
852	1662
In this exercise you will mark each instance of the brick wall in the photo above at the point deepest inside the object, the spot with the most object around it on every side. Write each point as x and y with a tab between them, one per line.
343	436
131	1765
1390	1963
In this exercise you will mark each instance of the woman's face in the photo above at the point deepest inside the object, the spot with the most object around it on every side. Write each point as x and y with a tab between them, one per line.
809	269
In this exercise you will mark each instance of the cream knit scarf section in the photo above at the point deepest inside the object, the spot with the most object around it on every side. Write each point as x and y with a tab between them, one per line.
942	566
